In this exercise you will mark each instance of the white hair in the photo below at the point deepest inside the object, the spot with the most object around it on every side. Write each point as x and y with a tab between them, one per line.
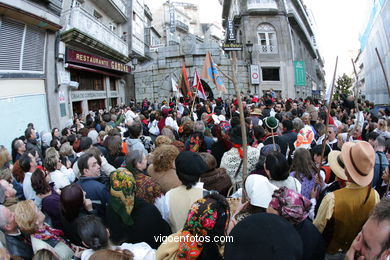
3	218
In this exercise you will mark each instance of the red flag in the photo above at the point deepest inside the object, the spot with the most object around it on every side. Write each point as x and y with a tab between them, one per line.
210	71
184	85
198	86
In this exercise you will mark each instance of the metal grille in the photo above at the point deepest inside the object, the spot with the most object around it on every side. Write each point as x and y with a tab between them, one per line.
11	35
34	48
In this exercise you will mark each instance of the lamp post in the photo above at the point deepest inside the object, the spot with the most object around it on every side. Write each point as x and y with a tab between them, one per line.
249	48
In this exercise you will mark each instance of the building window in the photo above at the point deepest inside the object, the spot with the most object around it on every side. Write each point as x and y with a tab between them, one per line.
270	74
112	84
266	35
22	47
87	80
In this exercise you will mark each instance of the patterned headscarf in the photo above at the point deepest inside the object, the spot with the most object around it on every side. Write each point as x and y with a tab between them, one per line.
202	220
122	190
291	205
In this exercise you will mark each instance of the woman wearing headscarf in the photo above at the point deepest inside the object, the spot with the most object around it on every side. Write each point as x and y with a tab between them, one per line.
295	208
207	218
131	219
232	160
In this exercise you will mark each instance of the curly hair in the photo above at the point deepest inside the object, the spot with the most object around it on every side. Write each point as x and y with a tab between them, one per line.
26	217
163	157
162	139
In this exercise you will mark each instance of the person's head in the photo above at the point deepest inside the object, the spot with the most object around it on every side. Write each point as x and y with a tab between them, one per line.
19	146
66	149
65	132
303	163
259	191
317	151
373	242
117	254
30	133
306	118
287	125
298	124
114	145
210	160
85	143
52	159
380	144
199	127
161	140
258	132
332	132
44	254
6	174
382	125
189	167
320	128
264	236
7	220
92	232
7	189
136	160
71	201
28	216
40	182
88	165
5	157
290	205
55	132
164	157
135	129
371	137
278	107
28	162
276	166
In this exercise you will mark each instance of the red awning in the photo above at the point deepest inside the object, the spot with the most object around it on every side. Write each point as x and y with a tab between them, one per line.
78	67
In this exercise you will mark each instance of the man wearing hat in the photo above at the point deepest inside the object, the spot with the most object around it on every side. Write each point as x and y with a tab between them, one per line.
271	136
343	212
255	116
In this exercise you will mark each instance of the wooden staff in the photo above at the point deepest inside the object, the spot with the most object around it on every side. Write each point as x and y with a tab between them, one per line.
356	103
242	120
384	72
327	119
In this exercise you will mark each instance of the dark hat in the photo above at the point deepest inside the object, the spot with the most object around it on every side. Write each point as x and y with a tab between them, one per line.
235	135
271	122
268	102
190	163
264	236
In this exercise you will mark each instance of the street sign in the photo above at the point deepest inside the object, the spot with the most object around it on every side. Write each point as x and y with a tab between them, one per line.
232	46
299	73
231	36
255	74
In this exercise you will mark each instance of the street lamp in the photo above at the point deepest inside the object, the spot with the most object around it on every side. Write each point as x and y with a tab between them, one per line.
249	47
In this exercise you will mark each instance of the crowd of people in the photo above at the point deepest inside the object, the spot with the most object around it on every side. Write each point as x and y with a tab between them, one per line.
165	180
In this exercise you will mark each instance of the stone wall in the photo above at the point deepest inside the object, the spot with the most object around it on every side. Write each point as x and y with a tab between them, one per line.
153	79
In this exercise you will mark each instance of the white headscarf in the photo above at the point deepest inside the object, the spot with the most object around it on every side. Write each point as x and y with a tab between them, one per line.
259	190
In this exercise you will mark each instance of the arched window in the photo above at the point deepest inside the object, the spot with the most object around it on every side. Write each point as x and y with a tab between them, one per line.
266	36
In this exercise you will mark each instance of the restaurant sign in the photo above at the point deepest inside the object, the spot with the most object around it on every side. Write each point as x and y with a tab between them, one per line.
88	59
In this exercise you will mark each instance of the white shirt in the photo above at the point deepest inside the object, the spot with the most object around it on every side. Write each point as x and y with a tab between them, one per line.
62	177
28	191
170	122
141	251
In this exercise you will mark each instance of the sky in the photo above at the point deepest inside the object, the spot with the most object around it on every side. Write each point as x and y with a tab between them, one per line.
339	24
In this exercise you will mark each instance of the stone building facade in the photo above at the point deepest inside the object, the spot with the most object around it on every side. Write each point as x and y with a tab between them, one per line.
153	79
284	46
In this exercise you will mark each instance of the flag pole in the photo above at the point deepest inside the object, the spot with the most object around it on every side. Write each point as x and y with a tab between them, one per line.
384	72
327	119
355	101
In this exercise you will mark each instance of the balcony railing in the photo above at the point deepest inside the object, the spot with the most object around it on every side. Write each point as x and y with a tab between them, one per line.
77	18
264	49
182	26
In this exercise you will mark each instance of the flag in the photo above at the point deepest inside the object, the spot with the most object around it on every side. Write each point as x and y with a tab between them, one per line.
174	85
210	71
184	85
198	86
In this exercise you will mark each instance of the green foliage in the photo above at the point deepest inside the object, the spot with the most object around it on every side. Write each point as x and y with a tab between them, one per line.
343	86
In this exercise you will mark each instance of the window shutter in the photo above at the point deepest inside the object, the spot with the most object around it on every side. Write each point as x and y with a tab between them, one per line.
34	47
11	35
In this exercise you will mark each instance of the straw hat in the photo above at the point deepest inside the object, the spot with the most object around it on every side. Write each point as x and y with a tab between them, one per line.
359	160
336	163
256	112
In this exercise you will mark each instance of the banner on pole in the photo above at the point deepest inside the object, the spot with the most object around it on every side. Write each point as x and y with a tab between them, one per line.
299	73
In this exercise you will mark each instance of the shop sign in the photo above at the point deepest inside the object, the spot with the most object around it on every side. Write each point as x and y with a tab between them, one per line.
85	58
231	35
81	95
255	74
232	46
